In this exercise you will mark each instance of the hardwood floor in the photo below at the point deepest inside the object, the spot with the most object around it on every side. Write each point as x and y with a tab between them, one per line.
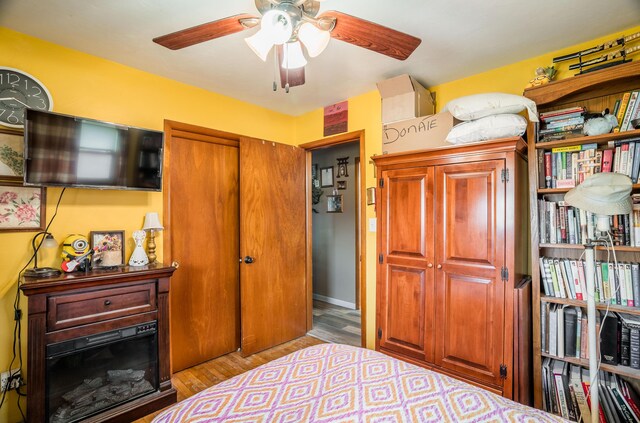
336	324
190	381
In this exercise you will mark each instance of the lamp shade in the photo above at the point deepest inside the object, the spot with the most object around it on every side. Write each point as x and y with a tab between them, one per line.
313	38
260	44
603	194
152	222
49	241
276	26
293	57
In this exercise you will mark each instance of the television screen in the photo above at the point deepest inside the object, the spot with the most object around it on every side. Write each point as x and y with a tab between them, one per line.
63	150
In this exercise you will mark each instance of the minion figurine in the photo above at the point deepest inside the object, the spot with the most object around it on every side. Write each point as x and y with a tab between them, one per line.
75	254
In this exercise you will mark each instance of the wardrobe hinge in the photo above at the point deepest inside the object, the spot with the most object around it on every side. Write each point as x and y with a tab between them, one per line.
503	371
380	258
379	333
505	175
381	183
504	273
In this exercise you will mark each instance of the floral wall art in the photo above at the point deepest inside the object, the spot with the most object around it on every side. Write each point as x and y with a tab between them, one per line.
20	208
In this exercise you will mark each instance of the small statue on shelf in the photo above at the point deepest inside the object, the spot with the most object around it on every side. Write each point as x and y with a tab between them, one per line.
543	76
76	253
598	124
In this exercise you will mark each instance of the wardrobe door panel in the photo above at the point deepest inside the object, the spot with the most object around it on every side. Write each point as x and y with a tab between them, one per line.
405	269
469	247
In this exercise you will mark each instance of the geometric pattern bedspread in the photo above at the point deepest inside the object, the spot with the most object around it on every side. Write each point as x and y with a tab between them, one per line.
338	383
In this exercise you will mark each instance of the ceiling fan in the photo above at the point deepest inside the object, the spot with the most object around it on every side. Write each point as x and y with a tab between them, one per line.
290	24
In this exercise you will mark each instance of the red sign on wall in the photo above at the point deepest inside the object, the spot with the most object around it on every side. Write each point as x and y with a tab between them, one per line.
336	118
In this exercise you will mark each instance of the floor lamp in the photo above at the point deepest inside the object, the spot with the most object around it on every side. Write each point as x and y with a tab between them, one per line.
604	195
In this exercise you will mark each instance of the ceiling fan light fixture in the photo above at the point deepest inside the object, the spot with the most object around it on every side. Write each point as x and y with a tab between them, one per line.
276	26
260	45
313	38
293	57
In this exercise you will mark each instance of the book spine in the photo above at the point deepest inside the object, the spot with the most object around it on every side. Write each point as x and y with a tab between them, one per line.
625	346
634	343
622	110
625	123
635	281
547	169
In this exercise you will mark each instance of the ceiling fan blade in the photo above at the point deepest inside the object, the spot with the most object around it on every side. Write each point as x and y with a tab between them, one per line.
372	36
201	33
295	77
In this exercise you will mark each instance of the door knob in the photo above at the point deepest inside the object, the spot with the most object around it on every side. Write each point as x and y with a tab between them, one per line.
439	266
430	265
249	259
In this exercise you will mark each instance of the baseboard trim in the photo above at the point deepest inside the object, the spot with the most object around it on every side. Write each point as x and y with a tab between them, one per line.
334	301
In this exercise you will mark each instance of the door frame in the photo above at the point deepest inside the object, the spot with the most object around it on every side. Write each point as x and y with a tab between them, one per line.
358	137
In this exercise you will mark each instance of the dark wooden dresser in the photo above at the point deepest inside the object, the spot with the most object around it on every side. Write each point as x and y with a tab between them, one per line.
98	346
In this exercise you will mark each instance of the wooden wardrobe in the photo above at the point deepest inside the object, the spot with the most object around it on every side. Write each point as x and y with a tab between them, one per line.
452	244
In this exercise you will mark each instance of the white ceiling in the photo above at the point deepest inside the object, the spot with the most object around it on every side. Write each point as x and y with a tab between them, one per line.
460	38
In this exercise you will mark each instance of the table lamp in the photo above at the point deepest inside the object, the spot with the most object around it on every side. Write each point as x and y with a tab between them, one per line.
152	224
603	194
42	272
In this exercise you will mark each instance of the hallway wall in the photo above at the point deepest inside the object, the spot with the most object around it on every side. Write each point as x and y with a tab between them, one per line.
334	234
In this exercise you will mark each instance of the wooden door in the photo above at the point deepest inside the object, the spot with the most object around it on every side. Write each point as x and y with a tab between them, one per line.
470	240
201	190
272	227
405	291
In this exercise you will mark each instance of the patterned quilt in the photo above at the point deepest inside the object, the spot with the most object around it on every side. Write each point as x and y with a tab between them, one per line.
338	383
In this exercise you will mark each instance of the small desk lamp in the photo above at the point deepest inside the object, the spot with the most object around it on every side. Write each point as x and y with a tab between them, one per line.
42	272
603	194
152	224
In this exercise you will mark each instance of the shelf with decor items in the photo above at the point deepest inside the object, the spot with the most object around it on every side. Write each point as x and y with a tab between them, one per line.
594	92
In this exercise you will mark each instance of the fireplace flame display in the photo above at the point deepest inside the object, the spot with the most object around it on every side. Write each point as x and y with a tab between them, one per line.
101	393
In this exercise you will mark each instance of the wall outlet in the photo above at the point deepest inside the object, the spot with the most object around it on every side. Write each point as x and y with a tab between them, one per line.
14	383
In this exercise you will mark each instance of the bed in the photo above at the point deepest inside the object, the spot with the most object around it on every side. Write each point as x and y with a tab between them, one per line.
339	383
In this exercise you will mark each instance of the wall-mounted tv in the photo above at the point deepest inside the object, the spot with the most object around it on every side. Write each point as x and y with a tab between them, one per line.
62	150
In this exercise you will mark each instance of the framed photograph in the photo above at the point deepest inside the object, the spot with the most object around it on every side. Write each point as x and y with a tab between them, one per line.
21	208
342	185
11	155
108	247
326	177
334	203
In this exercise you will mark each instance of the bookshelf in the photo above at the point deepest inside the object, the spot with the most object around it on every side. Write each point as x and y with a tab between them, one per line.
595	91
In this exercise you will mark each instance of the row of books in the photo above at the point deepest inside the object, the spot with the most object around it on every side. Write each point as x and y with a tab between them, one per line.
566	167
563	333
564	224
627	109
561	124
566	393
614	283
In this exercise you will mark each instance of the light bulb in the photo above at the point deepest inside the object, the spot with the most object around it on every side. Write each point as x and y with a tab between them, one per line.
313	38
276	26
293	57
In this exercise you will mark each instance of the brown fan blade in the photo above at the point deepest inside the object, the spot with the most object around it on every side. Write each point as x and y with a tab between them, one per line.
201	33
295	77
372	36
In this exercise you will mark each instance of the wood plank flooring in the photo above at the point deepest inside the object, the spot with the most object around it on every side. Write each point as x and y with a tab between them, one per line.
195	379
336	324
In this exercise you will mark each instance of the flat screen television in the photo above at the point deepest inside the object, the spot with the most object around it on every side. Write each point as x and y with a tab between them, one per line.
62	150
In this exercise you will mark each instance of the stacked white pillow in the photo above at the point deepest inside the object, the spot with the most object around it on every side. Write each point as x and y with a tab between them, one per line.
489	116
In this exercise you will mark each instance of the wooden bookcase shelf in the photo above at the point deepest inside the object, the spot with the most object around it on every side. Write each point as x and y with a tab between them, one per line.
636	187
595	139
619	370
596	91
600	306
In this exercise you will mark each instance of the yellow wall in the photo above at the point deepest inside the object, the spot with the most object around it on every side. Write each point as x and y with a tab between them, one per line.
365	112
88	86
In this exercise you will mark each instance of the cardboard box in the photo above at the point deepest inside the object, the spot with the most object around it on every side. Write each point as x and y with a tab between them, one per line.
404	98
417	134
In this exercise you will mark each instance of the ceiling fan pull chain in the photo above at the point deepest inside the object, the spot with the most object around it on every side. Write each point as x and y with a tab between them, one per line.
286	87
275	71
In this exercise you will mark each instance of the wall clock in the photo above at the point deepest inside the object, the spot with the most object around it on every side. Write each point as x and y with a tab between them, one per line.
19	91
